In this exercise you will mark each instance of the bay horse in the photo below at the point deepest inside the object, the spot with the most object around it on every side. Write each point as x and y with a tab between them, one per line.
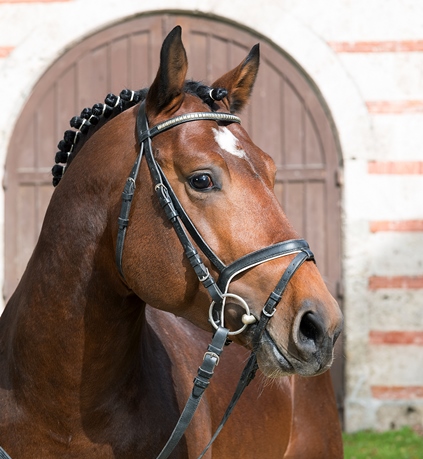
105	331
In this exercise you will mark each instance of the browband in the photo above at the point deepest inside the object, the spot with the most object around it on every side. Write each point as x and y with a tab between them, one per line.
165	125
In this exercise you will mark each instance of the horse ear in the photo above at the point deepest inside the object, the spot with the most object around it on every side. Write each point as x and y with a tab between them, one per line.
239	82
166	92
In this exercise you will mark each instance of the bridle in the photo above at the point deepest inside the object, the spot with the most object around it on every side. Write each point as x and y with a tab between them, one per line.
218	291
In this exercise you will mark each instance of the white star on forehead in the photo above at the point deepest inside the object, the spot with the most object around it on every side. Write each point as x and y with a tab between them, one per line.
228	142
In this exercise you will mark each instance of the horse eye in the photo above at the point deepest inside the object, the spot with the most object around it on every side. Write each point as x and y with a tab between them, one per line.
201	182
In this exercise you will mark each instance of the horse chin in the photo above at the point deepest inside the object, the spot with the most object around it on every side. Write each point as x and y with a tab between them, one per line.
274	362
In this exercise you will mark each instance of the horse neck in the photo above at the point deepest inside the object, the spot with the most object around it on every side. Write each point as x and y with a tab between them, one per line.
71	317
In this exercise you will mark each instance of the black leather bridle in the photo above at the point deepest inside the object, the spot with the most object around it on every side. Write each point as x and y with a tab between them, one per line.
218	290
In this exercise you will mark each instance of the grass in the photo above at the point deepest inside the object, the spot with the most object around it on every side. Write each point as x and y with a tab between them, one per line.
405	443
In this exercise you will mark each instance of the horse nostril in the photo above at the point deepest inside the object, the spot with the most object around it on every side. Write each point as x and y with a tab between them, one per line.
313	334
310	328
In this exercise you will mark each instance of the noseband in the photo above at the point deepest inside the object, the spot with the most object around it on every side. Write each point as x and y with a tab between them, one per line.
218	290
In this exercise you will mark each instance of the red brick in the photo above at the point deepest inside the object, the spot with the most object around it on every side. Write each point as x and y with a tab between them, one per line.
5	51
397	392
401	225
389	107
395	167
400	46
396	282
395	337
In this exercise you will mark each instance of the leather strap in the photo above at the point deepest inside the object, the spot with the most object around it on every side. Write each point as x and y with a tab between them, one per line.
278	250
3	454
192	230
167	204
144	134
144	137
247	376
123	220
275	297
201	382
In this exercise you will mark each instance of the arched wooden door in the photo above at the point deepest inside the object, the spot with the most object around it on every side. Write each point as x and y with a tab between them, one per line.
287	118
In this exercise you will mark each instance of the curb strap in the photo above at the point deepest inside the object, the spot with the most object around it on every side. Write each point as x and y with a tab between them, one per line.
201	382
3	454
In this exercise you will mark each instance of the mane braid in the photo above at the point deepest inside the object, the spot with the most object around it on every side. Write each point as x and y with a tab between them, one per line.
91	119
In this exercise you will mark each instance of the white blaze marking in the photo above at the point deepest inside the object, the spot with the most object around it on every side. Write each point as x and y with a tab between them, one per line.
228	142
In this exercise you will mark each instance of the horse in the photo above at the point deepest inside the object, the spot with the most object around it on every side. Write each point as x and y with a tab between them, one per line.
119	301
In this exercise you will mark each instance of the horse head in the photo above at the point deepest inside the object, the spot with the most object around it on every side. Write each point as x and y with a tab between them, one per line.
224	183
166	201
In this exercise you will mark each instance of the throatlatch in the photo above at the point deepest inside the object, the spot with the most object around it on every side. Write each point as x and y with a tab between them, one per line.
218	290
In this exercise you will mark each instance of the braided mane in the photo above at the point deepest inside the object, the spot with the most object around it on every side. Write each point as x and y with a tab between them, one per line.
91	119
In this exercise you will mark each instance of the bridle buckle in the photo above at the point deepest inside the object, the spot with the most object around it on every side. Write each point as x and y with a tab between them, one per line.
206	276
269	314
212	354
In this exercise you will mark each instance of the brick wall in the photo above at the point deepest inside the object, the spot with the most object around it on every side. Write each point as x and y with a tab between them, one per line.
366	58
392	187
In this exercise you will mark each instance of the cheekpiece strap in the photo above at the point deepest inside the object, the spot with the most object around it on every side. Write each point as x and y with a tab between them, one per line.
192	230
123	219
175	213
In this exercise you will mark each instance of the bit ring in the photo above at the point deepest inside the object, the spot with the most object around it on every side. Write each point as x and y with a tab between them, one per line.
247	318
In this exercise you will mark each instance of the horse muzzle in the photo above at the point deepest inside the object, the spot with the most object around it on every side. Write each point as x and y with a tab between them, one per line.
307	350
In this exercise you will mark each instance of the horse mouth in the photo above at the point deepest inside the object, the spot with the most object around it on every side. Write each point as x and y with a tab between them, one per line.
270	356
274	362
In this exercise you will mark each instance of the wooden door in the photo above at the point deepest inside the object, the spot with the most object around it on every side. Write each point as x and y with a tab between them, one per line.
286	117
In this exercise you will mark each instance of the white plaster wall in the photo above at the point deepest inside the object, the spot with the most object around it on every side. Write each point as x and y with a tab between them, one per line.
398	137
388	307
41	32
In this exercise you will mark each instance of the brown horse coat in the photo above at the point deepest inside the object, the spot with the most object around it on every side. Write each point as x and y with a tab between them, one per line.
88	370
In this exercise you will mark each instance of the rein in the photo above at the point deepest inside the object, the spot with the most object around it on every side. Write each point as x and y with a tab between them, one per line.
3	454
218	290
